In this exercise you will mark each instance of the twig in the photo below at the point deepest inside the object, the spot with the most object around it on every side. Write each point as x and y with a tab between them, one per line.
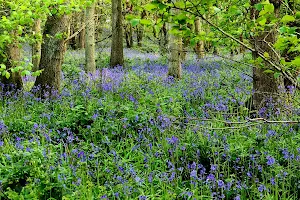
75	34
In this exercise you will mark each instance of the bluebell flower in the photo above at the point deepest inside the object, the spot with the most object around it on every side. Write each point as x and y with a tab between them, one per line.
261	188
221	184
270	160
211	177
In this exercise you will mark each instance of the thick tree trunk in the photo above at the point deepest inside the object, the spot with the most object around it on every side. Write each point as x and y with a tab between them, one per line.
90	64
53	51
199	49
175	48
265	86
116	56
12	54
37	45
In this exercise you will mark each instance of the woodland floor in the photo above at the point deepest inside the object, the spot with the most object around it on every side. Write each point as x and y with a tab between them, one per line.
134	133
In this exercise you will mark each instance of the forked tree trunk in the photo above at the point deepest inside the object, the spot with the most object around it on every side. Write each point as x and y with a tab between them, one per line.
53	51
175	48
90	64
37	45
12	54
116	56
199	49
265	85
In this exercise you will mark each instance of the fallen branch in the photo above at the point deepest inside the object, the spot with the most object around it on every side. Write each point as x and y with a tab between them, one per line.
242	122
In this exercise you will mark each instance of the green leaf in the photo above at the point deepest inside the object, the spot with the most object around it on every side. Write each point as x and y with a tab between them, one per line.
7	74
266	54
216	9
150	6
37	73
269	8
277	74
135	22
268	71
262	21
25	73
2	66
258	6
145	22
287	19
296	62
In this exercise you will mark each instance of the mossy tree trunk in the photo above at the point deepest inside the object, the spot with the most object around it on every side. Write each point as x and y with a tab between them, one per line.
12	58
175	49
199	49
265	85
53	51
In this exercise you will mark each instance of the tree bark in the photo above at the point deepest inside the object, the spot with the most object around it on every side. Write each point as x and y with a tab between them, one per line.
128	35
37	45
81	42
12	58
128	26
175	48
265	85
140	30
163	39
90	63
116	56
289	56
199	49
53	51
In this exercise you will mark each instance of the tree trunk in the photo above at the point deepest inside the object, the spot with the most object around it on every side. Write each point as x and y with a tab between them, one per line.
90	64
140	30
53	51
128	35
175	48
128	26
199	49
163	39
242	48
12	57
291	55
116	56
265	86
80	39
36	46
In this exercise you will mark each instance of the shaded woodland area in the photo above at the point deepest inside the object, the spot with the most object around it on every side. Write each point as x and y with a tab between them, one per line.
141	99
